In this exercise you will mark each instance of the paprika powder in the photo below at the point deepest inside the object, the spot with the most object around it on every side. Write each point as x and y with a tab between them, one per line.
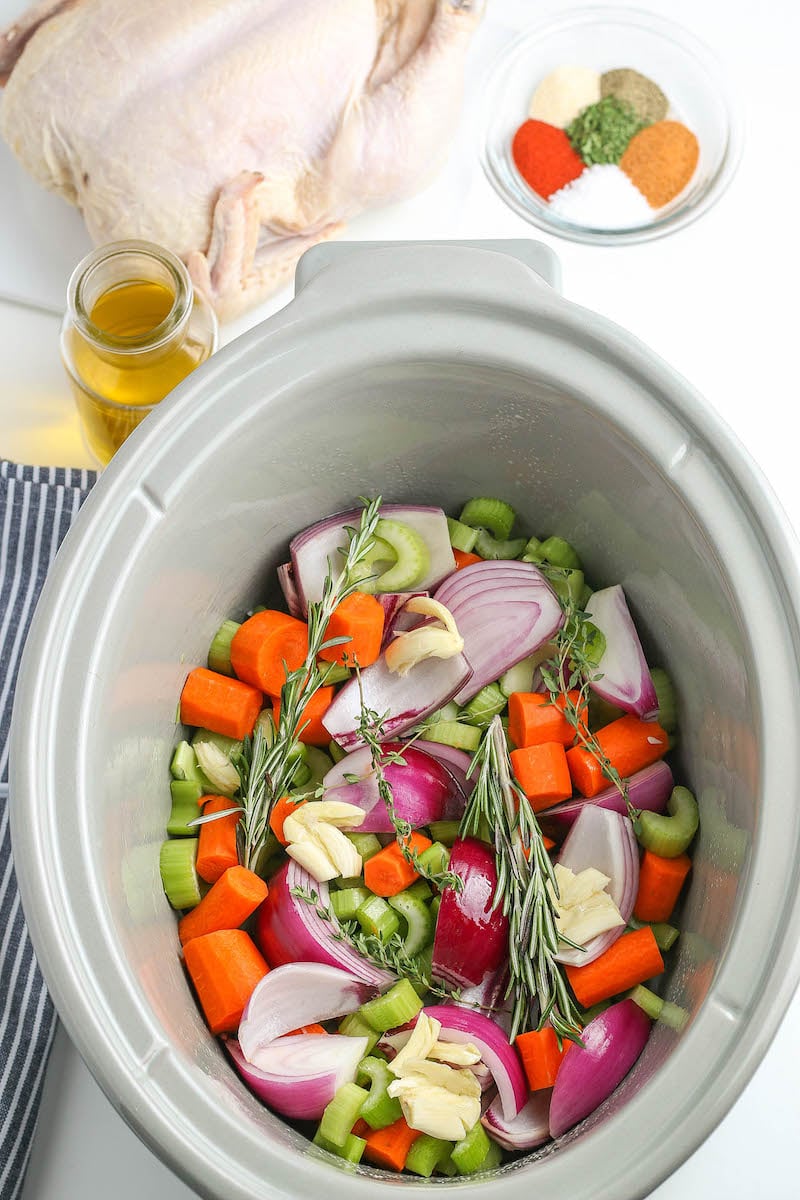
544	157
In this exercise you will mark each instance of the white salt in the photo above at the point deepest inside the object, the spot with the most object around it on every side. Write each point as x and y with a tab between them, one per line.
603	197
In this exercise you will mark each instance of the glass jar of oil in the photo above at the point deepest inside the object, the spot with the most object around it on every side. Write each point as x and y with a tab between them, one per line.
134	328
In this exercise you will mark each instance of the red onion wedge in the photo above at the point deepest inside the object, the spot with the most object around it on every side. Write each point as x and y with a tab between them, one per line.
457	762
489	996
648	789
407	699
289	930
298	1076
299	993
504	611
623	676
530	1127
604	840
290	594
587	1076
422	789
471	937
497	1053
312	548
395	619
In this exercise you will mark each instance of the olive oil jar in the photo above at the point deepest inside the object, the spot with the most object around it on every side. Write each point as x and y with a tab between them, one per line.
134	328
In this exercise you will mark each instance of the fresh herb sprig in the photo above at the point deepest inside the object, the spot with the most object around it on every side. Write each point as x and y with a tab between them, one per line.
371	728
524	871
391	954
266	768
574	669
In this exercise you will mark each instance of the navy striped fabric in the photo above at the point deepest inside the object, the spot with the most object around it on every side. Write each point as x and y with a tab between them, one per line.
37	506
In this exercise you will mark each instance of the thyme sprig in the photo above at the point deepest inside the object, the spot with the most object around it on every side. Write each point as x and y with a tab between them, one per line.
524	870
371	728
391	954
266	768
574	669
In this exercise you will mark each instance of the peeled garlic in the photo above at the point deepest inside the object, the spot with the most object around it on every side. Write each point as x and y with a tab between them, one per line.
426	641
315	839
217	767
435	1097
584	908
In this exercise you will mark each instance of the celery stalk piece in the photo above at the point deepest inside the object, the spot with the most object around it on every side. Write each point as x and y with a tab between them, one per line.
418	919
379	1109
427	1154
185	807
177	863
487	512
453	733
462	537
341	1113
376	917
445	832
219	652
470	1153
393	1008
354	1025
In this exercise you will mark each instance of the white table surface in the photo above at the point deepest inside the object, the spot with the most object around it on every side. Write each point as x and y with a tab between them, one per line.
718	300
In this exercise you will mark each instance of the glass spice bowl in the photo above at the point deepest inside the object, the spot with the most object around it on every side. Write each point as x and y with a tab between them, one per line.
603	39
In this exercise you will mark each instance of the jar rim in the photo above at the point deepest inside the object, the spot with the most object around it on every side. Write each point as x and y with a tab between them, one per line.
183	297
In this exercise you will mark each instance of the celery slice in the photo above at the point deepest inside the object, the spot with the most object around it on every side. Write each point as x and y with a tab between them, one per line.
418	919
487	512
219	652
667	705
341	1113
177	863
351	1151
185	796
379	1109
354	1025
454	733
560	553
470	1154
376	917
346	903
492	548
434	859
427	1154
393	1008
462	537
366	844
487	703
445	832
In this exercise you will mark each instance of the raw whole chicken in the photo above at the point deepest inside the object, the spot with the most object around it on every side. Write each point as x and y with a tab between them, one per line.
235	132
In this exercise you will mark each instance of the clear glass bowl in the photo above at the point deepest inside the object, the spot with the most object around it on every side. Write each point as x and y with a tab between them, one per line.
605	38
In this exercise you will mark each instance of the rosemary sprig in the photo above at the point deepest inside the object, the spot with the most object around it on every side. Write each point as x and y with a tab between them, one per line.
524	871
391	954
574	669
371	728
266	769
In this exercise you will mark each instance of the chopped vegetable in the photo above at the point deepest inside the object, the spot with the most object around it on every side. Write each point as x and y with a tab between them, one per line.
541	1056
311	730
669	836
465	559
543	774
227	905
224	967
629	744
219	652
533	719
216	850
632	959
360	619
267	647
660	883
389	1147
389	871
223	705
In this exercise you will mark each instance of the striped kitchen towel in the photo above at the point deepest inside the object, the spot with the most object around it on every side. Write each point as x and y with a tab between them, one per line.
37	507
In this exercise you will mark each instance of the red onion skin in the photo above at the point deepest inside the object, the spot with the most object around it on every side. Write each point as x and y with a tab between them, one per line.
471	938
649	789
504	611
302	1099
290	594
422	789
623	677
283	937
612	1043
529	1128
497	1053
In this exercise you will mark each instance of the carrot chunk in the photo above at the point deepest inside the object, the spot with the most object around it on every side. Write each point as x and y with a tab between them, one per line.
660	883
629	745
360	618
388	872
389	1147
533	718
465	559
216	702
633	958
281	809
540	1056
266	646
542	773
315	733
227	905
224	967
216	845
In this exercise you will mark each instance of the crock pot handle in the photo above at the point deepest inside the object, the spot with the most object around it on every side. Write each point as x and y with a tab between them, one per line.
534	255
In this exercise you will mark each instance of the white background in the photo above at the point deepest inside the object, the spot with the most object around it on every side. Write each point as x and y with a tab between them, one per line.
717	300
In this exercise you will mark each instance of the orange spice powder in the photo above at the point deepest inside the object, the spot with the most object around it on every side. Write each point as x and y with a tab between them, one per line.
660	160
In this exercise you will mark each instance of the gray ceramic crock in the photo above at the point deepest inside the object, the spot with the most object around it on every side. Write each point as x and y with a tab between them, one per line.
428	373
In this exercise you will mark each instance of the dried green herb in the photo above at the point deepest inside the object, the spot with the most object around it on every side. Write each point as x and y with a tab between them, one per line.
645	97
601	133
